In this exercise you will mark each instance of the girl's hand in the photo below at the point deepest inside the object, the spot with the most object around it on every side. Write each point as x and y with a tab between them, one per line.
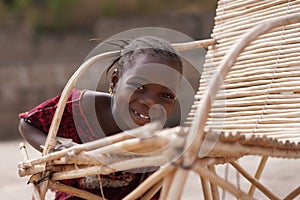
61	146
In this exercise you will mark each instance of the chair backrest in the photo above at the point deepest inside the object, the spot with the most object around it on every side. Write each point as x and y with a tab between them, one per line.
261	94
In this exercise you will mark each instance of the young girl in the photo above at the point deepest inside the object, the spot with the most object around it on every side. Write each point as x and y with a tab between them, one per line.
142	89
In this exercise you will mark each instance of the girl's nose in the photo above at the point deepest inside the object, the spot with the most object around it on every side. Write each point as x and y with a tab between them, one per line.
148	100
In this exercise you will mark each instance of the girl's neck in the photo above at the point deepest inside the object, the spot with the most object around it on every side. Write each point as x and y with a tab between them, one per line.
106	118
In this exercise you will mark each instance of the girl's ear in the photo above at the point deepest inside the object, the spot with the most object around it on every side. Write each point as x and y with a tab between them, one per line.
114	80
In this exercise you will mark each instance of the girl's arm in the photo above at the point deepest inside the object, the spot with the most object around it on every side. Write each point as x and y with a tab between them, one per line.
34	136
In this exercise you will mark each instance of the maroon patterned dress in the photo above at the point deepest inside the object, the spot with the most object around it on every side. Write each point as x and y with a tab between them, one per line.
75	126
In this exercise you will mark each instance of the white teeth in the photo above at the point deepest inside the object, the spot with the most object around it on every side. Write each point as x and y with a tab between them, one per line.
141	115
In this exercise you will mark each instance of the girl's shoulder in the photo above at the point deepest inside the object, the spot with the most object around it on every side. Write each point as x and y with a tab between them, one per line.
94	105
90	97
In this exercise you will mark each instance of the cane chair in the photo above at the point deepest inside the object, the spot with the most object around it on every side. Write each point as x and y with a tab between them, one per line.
248	103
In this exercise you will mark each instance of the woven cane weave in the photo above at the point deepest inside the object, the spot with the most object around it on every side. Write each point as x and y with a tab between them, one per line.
260	97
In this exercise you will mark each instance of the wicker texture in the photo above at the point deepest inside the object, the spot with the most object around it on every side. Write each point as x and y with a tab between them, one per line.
261	94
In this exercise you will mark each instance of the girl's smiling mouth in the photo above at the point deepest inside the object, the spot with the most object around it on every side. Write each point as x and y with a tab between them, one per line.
139	118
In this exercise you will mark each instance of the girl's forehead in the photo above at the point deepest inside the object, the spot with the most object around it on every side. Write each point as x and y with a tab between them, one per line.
157	73
159	59
143	59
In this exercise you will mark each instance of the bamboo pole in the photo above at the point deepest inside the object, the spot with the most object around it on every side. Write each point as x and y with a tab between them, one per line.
266	107
73	191
36	194
213	178
254	181
268	7
248	58
263	49
236	149
226	42
258	173
119	166
176	187
77	173
166	185
248	114
207	195
239	5
214	188
264	44
231	28
254	17
55	168
149	182
293	194
138	132
194	44
23	151
282	60
154	189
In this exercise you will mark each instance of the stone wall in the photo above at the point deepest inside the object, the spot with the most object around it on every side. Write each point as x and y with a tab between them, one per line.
36	67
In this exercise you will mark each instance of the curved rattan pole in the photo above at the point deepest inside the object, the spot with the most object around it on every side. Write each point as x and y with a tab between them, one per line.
195	137
51	137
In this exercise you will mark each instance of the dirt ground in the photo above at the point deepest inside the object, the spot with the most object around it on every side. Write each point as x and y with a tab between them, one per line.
281	176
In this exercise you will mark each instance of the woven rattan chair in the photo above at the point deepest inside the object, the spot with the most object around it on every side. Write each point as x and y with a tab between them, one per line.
248	103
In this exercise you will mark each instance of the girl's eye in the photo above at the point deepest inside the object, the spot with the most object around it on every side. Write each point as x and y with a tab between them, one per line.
140	87
168	96
137	86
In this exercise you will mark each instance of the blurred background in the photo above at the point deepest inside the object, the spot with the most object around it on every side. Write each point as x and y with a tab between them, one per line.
42	42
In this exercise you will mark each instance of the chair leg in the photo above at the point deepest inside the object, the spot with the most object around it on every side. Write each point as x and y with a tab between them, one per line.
212	177
206	189
254	181
152	191
176	187
258	173
166	185
36	194
214	188
293	194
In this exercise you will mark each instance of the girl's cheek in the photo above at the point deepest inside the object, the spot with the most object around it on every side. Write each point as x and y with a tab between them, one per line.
125	95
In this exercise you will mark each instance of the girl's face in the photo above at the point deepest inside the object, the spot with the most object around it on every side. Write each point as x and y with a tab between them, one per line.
145	92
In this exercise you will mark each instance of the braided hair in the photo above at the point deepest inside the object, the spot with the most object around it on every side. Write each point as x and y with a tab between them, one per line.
144	45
